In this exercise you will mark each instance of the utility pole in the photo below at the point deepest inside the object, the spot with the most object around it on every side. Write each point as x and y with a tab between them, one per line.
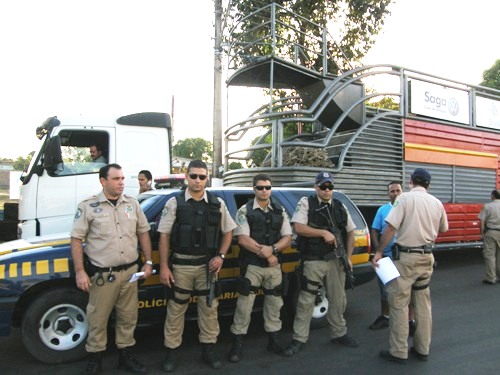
217	120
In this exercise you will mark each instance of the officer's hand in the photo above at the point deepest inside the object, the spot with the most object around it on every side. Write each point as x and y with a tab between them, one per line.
166	276
376	258
329	238
148	270
266	251
349	261
215	264
83	281
272	261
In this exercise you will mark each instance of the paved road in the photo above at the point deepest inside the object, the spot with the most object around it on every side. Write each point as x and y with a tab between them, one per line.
466	336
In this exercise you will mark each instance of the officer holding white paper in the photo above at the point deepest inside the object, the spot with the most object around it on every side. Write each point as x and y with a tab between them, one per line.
418	217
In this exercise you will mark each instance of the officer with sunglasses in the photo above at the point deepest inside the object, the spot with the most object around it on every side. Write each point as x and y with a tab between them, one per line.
196	231
263	232
111	223
311	221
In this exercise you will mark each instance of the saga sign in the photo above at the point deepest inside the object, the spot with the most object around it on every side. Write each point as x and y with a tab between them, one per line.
438	101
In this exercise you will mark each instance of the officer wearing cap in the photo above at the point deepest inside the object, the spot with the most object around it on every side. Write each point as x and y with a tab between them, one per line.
418	218
312	221
490	232
111	223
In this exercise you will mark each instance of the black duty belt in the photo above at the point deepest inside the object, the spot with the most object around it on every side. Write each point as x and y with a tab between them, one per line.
426	249
122	267
190	261
327	256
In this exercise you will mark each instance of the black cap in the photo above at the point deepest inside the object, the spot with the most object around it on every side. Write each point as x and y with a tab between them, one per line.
421	175
323	177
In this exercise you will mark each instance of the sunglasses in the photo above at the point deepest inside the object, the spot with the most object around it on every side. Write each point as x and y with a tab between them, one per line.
262	187
326	187
194	176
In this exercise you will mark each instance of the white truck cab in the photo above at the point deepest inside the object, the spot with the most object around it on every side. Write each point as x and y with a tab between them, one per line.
62	172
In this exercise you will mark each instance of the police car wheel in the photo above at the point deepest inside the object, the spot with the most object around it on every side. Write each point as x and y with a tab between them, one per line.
54	328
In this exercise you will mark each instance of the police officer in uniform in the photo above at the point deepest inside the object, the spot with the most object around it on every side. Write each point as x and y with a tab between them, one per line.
490	232
195	233
111	223
418	218
312	219
263	232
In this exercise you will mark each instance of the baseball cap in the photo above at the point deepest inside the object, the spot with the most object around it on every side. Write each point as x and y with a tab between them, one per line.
323	177
421	175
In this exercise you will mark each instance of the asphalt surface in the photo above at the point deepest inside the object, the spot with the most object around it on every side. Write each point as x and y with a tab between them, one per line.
466	336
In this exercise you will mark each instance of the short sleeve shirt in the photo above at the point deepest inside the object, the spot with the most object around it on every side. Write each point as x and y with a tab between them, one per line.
110	232
379	224
301	214
168	215
244	229
418	218
490	214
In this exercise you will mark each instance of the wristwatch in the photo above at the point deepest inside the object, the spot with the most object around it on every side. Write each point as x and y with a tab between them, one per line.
149	262
223	256
275	250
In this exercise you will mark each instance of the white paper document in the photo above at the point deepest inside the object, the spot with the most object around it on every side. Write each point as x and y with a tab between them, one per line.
136	276
386	270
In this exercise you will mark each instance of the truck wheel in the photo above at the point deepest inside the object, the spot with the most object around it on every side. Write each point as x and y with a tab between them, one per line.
54	328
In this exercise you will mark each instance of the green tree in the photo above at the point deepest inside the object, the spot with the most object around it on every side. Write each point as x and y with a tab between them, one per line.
194	148
491	76
355	24
386	103
235	165
20	164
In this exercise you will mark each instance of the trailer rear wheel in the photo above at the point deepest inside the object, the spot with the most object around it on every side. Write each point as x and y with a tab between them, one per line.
54	328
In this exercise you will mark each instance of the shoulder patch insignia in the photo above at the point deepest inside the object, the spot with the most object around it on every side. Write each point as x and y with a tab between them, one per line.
242	218
164	211
299	204
78	214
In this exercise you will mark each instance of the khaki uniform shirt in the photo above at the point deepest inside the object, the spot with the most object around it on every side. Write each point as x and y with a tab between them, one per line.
168	215
301	214
490	214
110	232
244	229
418	218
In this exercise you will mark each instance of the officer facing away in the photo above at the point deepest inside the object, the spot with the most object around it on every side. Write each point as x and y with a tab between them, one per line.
196	231
111	223
418	218
312	221
263	232
490	232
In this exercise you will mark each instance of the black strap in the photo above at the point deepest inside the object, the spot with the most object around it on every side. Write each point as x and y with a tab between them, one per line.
122	267
190	262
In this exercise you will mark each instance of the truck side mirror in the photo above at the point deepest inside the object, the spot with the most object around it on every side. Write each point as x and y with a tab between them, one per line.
52	158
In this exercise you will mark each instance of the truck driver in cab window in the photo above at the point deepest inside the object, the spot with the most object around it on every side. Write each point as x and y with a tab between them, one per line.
96	154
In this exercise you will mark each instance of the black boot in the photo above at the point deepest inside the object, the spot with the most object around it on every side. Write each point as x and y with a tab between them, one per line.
273	345
293	348
94	365
209	357
169	363
127	361
237	349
